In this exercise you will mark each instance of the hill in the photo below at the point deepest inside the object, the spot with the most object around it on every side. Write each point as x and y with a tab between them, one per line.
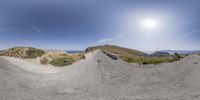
55	58
134	56
181	51
121	51
22	52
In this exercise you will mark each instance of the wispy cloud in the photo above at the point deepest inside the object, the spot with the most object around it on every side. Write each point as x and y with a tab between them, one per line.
36	29
106	40
185	35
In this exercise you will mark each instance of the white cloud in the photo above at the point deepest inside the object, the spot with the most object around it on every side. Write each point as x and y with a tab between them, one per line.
37	29
185	35
104	40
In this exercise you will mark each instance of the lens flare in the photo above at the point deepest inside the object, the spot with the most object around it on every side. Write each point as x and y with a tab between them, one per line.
150	23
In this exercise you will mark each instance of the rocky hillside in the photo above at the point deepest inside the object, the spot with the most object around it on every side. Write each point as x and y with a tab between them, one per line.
121	51
22	52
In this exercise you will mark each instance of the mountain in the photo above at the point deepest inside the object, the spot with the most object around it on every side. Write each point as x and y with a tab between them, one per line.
160	54
181	51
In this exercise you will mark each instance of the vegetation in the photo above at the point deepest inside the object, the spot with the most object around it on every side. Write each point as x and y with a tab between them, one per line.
148	60
60	59
59	62
23	52
154	59
134	56
177	55
34	53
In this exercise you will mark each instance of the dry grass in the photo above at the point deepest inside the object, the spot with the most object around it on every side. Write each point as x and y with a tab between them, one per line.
44	60
60	59
150	60
23	52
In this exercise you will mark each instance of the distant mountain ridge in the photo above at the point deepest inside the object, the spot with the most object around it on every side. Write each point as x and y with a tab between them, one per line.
182	51
160	54
74	51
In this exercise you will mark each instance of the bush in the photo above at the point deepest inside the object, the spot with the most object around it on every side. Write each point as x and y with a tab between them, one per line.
129	60
149	60
34	53
177	55
82	57
153	61
59	62
43	60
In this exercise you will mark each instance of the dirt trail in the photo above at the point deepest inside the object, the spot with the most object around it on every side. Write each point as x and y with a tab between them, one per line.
98	77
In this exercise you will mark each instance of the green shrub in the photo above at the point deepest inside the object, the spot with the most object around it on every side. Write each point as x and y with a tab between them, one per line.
59	62
149	60
153	61
34	53
129	60
177	55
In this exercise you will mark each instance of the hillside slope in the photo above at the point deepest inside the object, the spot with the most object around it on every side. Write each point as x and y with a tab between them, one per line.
134	56
22	52
55	58
121	51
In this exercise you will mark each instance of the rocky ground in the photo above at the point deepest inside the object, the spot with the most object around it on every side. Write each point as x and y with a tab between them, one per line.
99	77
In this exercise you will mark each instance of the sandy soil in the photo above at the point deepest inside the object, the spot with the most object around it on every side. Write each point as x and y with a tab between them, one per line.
98	77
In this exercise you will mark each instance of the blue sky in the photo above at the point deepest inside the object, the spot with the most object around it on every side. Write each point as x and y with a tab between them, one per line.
75	24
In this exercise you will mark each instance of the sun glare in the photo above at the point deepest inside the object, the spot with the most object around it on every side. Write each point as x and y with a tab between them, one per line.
149	24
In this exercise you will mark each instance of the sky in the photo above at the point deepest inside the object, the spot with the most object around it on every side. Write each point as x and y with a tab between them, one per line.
146	25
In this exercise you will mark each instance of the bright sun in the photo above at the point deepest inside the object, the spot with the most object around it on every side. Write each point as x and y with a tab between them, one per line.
149	24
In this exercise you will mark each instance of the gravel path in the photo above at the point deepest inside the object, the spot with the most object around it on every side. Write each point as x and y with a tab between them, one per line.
100	78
